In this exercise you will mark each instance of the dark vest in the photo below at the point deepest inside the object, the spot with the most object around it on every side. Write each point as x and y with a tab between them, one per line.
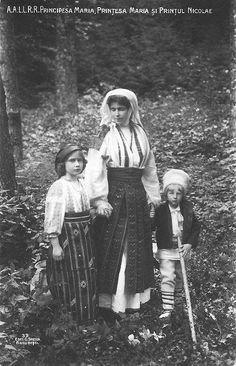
163	225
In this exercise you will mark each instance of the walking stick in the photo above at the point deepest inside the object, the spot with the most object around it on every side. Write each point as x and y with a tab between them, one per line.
187	295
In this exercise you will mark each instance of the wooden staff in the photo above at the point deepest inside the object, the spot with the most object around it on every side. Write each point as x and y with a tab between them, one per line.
187	295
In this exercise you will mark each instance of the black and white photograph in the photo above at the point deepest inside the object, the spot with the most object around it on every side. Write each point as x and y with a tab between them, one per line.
117	182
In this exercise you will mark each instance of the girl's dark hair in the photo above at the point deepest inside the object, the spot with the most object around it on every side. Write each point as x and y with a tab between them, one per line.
122	100
60	169
60	162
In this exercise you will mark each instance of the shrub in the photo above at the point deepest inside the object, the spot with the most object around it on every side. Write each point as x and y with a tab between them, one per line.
19	222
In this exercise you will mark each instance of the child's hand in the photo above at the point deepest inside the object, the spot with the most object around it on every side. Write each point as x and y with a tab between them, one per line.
92	212
185	249
151	210
57	253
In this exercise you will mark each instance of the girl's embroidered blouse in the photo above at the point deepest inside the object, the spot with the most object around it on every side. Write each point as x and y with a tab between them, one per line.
64	196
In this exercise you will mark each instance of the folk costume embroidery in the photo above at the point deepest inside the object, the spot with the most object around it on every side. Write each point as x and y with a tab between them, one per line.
124	173
72	281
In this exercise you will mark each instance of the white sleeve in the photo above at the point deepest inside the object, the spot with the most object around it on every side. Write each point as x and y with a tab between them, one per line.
150	181
96	176
55	206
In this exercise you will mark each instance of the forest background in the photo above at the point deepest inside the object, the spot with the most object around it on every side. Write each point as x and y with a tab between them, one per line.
63	64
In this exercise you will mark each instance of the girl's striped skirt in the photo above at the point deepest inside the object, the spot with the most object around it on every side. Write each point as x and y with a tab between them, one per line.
72	281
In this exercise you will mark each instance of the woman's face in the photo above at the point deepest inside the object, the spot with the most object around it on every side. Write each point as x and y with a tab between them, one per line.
119	114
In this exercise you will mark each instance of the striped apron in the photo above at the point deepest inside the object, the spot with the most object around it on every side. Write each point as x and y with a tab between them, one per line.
129	222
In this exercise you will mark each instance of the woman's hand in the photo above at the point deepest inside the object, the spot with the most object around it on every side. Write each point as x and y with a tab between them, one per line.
104	209
185	249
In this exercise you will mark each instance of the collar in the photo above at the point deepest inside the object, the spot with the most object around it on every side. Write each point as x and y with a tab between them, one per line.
177	209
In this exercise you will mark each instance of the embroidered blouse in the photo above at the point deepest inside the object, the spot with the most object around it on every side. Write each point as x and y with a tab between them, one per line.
64	196
116	151
177	227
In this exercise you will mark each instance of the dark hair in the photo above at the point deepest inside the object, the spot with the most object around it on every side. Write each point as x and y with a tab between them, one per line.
63	155
122	100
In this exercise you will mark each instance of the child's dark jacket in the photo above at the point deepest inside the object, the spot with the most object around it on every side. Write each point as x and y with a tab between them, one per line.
163	225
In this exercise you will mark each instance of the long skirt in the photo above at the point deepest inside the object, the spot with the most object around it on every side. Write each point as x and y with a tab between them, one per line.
72	281
130	224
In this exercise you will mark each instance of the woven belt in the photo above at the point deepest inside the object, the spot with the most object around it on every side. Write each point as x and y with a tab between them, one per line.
126	175
77	216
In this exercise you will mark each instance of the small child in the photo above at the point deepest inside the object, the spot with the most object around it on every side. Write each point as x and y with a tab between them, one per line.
174	218
70	264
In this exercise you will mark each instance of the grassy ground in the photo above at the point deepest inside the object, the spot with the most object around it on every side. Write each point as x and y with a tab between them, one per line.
184	133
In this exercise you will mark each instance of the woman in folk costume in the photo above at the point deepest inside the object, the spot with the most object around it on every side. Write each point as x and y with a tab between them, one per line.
70	264
123	173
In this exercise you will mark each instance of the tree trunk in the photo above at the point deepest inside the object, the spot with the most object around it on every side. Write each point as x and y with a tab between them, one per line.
10	82
233	68
66	76
7	165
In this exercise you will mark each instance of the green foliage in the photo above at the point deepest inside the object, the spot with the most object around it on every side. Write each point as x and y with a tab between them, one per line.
184	133
18	228
196	139
14	305
182	65
149	54
152	54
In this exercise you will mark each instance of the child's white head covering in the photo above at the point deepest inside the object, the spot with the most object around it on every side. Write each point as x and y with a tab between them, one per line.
176	176
105	110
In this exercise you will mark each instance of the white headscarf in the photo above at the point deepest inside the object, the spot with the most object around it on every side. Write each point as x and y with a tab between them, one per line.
105	110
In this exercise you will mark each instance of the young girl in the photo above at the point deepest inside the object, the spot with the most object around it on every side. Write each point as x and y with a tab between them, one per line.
70	264
174	218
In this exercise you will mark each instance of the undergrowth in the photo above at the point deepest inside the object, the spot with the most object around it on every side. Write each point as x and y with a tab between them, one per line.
184	133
